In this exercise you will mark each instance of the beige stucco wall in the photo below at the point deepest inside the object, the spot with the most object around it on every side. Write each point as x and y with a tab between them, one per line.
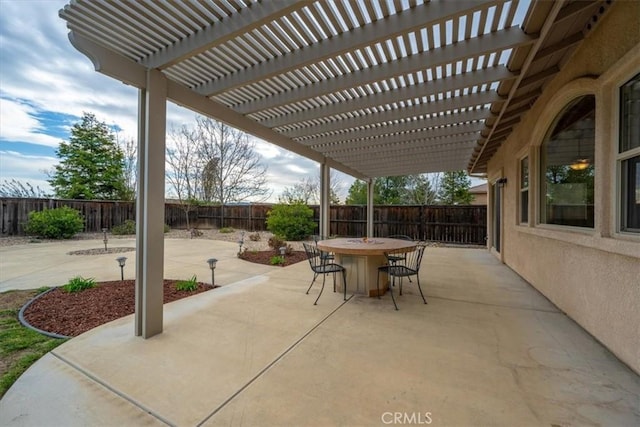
592	275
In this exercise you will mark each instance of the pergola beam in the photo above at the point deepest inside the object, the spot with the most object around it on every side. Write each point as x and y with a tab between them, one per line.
247	19
431	144
435	11
485	45
399	127
389	116
416	91
472	128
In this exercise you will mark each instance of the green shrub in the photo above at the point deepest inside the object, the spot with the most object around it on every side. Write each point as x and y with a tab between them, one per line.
291	222
78	284
276	260
187	285
129	227
59	223
226	230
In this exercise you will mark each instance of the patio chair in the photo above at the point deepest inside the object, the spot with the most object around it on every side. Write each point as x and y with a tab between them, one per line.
324	267
326	256
401	256
410	266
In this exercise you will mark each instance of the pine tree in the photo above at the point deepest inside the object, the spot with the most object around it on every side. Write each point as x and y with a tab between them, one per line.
454	189
91	164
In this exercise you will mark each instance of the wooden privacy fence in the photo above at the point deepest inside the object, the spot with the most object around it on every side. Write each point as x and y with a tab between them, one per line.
451	224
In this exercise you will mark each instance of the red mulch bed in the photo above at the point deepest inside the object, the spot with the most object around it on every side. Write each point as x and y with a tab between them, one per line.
71	314
264	257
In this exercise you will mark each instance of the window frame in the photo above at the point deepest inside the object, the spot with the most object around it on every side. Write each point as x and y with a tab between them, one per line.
524	210
620	158
540	174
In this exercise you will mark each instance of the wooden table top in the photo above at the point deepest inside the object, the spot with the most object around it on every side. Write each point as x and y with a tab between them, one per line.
370	246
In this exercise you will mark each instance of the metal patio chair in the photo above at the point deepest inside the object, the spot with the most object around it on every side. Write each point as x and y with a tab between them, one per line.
408	267
401	256
324	267
326	256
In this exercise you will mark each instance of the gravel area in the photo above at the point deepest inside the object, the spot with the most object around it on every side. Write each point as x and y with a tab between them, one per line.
259	245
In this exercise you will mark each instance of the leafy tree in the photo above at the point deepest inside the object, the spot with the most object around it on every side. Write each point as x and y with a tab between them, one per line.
389	190
419	191
91	164
386	191
357	194
18	189
454	189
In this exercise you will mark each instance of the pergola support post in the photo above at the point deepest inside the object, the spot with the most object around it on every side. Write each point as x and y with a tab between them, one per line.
150	206
325	200
370	186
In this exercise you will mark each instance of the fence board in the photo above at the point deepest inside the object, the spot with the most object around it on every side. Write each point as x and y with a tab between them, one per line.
450	224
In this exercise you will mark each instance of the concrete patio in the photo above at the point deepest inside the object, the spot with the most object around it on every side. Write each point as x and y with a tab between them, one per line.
488	349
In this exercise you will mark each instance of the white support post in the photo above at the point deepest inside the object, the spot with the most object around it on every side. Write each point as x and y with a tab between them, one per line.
150	210
370	186
325	205
140	213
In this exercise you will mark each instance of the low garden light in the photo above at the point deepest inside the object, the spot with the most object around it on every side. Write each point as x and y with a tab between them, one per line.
121	261
283	251
104	238
212	265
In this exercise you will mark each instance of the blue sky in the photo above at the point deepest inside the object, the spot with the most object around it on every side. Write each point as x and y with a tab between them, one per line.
46	85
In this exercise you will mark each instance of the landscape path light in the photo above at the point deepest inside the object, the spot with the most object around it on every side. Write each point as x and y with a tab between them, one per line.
212	265
121	261
283	251
104	238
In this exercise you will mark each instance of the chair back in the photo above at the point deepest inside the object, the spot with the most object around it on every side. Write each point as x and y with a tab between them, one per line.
313	255
411	260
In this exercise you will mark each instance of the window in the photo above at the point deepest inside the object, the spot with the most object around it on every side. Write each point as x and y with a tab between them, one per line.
524	190
566	166
629	155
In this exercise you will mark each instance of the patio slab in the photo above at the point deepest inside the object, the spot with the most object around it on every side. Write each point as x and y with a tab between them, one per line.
258	352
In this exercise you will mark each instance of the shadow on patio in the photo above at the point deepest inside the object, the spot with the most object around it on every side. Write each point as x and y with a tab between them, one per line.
487	350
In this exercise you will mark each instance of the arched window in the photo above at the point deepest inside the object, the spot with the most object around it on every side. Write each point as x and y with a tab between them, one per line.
567	166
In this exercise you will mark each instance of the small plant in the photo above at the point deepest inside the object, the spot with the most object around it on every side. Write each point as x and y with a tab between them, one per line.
276	242
59	223
196	233
187	285
226	230
78	284
291	222
126	228
276	260
254	237
129	228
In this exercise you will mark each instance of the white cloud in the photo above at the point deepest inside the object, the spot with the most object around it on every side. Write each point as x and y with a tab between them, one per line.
19	124
25	168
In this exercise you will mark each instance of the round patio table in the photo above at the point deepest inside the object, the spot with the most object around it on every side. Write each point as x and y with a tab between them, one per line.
361	258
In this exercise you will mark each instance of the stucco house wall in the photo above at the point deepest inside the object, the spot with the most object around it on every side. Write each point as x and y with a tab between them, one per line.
593	275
